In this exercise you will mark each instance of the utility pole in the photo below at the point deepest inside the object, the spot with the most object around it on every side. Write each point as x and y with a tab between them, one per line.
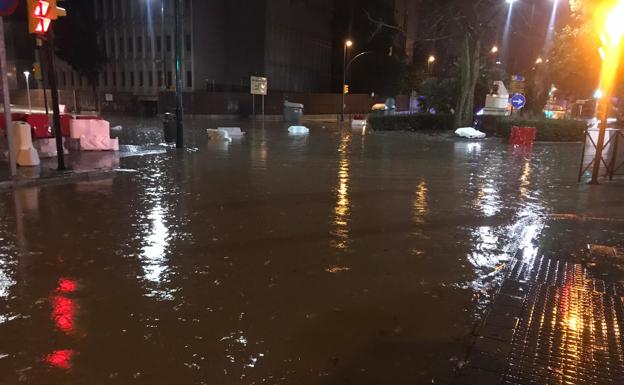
7	101
56	113
178	69
40	16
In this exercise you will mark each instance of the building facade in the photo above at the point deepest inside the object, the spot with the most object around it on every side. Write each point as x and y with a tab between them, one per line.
224	42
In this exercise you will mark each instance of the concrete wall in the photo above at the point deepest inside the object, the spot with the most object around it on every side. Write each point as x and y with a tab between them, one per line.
207	103
299	45
84	100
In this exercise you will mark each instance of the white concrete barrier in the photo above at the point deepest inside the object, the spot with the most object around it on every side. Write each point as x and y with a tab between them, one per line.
218	135
27	156
47	147
94	135
298	130
233	132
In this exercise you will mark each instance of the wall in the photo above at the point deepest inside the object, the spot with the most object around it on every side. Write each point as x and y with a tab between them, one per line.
208	103
123	102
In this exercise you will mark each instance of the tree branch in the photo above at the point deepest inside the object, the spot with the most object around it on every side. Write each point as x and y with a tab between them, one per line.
382	24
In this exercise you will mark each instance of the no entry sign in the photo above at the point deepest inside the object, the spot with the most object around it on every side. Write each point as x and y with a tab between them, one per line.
7	7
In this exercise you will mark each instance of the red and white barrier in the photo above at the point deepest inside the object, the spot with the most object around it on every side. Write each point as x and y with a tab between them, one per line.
93	134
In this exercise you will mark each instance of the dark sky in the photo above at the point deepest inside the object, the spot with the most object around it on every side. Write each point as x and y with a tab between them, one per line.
530	19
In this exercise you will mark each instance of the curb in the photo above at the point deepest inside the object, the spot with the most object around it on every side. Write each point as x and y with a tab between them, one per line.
60	178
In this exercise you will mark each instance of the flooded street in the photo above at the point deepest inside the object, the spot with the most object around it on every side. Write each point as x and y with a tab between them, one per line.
328	258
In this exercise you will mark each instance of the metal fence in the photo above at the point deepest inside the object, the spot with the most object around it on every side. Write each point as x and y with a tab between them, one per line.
612	161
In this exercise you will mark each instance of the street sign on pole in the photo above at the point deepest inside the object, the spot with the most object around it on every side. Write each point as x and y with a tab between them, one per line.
517	85
518	101
259	85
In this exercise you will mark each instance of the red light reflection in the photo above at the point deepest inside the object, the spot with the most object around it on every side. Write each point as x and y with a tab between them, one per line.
63	313
66	285
60	358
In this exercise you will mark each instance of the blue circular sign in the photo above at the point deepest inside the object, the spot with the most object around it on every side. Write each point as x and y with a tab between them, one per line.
518	101
7	7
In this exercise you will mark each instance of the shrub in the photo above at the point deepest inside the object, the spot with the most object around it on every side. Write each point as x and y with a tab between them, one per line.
411	122
551	130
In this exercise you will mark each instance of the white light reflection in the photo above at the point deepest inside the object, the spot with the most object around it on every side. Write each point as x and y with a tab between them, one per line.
6	282
489	199
420	203
155	249
156	242
342	210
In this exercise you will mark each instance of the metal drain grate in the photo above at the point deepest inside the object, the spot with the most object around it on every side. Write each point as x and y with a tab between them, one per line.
570	331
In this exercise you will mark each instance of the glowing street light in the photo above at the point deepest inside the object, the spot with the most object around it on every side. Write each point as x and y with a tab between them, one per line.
430	62
539	60
612	20
494	49
348	44
27	76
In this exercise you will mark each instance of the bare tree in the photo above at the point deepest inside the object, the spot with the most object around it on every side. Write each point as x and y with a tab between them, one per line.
462	26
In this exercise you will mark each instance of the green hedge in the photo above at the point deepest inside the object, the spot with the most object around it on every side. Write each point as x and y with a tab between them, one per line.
412	122
549	130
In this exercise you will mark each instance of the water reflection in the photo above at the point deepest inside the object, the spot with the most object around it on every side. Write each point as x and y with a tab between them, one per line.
420	203
524	180
155	250
61	359
6	282
489	201
342	208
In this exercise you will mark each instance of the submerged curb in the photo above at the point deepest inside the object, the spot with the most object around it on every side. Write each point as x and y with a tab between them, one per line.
59	178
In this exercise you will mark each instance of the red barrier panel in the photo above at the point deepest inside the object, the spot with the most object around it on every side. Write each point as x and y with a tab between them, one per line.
15	117
522	136
40	125
65	119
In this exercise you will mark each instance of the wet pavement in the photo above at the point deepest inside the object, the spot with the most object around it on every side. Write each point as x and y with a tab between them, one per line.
328	258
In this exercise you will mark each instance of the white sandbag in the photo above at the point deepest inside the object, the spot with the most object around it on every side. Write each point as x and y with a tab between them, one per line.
232	132
298	130
469	133
218	135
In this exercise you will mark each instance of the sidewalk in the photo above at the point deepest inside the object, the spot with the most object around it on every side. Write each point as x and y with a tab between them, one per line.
559	316
81	165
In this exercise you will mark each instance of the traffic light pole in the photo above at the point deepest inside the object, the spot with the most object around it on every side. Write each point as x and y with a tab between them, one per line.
178	69
56	113
7	101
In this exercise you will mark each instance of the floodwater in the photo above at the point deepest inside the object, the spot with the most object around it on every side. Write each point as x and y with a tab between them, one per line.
328	258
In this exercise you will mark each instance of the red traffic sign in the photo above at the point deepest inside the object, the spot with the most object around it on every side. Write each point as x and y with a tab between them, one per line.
7	7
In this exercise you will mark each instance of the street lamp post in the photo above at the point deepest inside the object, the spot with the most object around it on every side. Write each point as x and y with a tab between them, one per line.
177	7
347	44
430	61
27	76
